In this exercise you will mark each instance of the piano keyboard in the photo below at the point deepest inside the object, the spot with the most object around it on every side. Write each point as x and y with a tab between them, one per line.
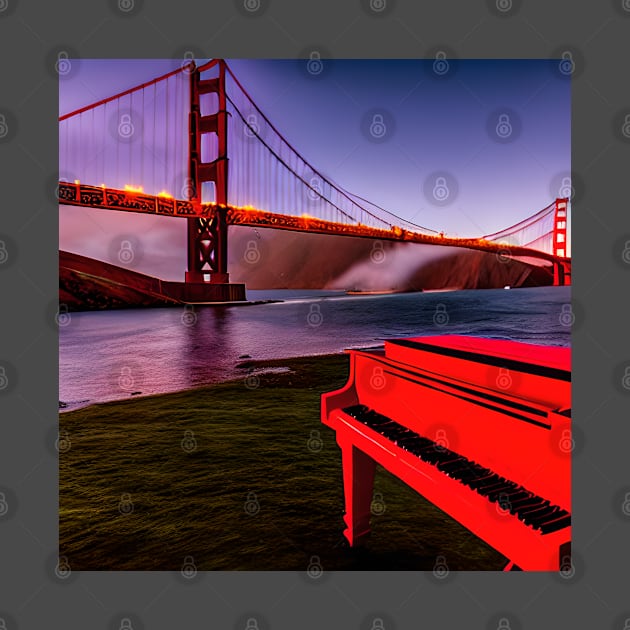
532	510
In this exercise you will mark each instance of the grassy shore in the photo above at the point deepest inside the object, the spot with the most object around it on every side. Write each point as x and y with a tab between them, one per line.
244	489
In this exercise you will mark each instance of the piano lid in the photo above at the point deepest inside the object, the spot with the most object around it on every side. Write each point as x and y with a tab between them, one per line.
529	370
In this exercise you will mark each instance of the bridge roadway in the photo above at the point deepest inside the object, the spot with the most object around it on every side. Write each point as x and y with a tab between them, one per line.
77	194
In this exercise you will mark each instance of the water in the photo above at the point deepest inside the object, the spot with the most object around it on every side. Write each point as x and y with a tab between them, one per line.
115	354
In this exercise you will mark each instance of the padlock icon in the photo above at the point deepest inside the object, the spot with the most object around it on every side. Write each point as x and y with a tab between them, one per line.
126	380
62	569
625	506
188	189
440	317
252	253
566	189
314	64
315	442
504	5
125	624
251	128
252	507
504	624
125	505
4	506
440	64
188	64
567	65
377	127
377	507
315	569
625	255
189	443
189	570
626	378
252	382
377	624
625	129
63	65
3	623
126	5
567	570
440	569
503	503
4	128
315	189
567	443
441	441
62	443
314	317
4	254
125	126
4	379
189	317
377	380
62	317
377	255
626	623
251	624
125	253
504	126
252	5
504	379
567	318
440	189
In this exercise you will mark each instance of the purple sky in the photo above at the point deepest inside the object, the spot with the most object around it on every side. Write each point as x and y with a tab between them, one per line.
436	126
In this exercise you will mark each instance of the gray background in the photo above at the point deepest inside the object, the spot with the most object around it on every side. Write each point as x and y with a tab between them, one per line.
593	594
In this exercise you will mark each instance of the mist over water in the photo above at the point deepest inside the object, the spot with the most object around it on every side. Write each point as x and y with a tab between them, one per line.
110	355
390	268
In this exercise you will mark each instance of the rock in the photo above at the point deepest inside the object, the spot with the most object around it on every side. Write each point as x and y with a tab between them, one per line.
245	356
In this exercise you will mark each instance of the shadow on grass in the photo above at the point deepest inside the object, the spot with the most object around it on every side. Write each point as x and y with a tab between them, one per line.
236	479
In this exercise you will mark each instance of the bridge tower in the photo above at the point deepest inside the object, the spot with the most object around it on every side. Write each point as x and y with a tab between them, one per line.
561	268
208	237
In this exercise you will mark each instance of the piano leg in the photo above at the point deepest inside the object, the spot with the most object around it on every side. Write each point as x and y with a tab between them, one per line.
358	483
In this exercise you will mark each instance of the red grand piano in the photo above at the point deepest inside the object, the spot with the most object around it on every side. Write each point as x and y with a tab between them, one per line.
479	427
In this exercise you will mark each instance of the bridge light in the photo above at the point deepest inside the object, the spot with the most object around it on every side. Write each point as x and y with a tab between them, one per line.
163	193
76	181
137	189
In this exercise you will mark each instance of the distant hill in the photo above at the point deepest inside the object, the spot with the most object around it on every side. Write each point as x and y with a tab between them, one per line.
296	260
275	259
88	284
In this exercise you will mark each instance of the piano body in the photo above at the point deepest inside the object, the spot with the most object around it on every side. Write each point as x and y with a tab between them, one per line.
479	427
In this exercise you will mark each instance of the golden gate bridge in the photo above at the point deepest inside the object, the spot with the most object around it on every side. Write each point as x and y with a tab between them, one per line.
193	144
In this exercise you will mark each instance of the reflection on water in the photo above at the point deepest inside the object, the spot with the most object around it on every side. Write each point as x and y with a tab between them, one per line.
116	354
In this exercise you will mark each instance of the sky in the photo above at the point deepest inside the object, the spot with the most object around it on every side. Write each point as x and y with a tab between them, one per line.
434	125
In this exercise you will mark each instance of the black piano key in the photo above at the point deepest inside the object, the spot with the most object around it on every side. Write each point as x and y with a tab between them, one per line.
457	464
531	509
537	517
554	526
542	503
513	498
489	482
517	507
497	493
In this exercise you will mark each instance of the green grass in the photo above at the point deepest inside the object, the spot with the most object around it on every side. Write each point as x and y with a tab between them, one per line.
247	441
